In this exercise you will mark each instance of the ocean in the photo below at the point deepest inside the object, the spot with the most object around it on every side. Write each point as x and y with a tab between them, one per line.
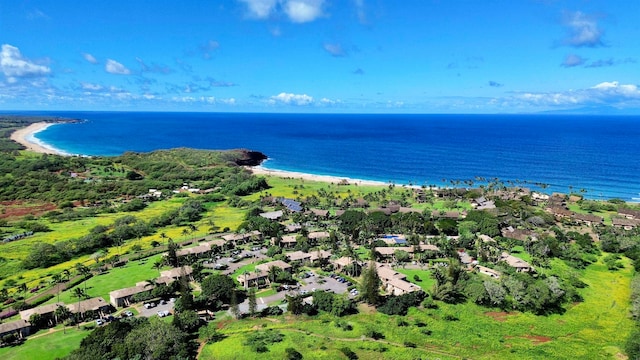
596	155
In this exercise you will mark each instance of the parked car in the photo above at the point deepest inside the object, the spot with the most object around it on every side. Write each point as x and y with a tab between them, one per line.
163	313
221	266
149	305
127	313
99	322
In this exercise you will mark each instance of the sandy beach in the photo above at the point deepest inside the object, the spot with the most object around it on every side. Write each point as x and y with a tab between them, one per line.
24	136
259	170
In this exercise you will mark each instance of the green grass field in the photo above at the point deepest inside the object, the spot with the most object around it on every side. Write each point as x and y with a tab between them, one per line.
118	278
45	345
426	282
594	329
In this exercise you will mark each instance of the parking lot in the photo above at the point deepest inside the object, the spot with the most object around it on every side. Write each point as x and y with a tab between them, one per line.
167	306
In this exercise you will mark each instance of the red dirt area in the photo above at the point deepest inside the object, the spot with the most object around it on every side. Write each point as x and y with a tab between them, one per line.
17	209
500	316
538	339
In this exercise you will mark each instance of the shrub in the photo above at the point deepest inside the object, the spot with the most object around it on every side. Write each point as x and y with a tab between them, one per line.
292	354
259	340
349	353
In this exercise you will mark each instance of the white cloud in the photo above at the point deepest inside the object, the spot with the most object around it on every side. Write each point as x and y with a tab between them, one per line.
14	66
362	16
260	9
91	87
297	11
335	50
603	94
291	99
114	67
583	30
301	11
573	60
90	58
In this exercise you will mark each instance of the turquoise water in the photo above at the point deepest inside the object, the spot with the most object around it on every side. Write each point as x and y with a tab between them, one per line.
597	154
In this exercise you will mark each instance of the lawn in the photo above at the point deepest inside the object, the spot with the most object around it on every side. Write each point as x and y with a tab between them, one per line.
45	346
426	282
117	278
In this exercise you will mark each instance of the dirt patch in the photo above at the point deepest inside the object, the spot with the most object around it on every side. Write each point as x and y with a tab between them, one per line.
18	209
366	309
538	339
500	316
222	324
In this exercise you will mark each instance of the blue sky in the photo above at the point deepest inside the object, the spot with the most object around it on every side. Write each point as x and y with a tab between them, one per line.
367	56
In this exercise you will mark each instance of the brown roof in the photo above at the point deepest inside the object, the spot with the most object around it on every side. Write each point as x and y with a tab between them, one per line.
289	239
121	293
40	310
322	254
298	255
177	272
403	285
405	210
318	235
86	305
343	261
588	218
319	212
196	250
13	326
277	263
514	261
386	273
629	212
625	222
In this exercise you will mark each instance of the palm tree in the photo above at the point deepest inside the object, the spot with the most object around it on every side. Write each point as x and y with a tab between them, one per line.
84	271
246	284
80	294
185	232
158	265
273	273
151	283
56	279
258	272
62	313
23	288
67	274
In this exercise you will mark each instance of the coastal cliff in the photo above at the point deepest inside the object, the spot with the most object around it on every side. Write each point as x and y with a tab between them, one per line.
250	158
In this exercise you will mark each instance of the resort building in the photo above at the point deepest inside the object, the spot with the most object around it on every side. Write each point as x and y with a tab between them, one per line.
124	297
20	328
98	305
46	311
516	263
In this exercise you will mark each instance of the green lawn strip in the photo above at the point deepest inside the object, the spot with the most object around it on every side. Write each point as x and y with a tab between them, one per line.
518	251
117	278
45	346
426	282
249	268
311	346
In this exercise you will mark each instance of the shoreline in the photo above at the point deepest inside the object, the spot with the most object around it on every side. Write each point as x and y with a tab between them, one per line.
261	170
26	137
